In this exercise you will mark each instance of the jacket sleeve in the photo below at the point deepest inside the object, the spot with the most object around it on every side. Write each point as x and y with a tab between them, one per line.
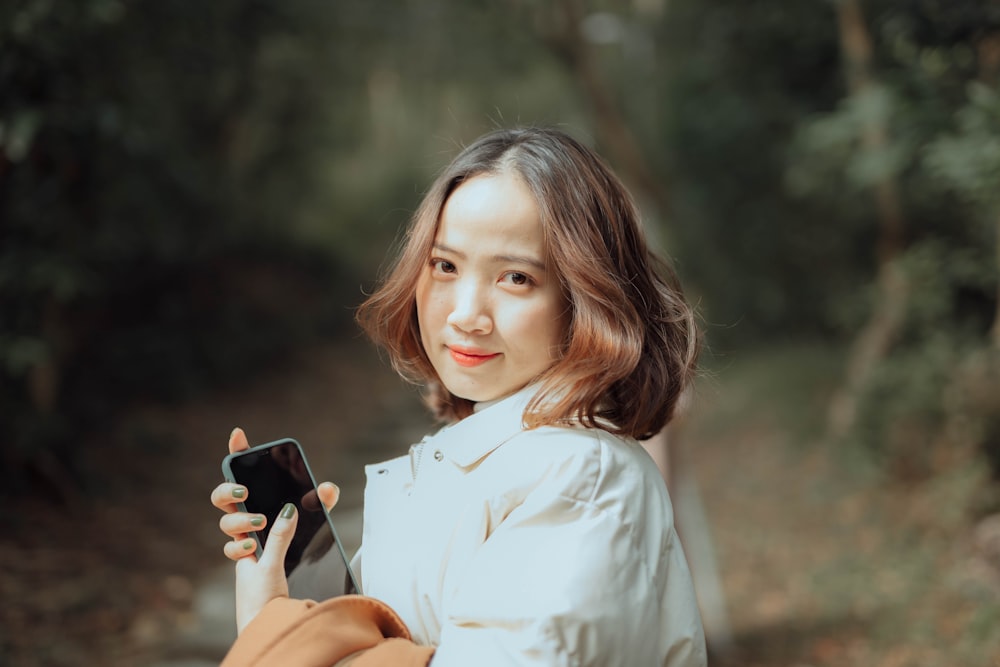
303	633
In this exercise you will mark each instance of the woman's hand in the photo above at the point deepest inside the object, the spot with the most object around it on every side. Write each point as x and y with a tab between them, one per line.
258	582
237	525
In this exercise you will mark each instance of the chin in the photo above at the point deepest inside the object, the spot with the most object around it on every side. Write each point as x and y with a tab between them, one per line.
476	394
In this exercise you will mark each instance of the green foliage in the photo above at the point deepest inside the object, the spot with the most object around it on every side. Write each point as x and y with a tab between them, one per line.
144	147
186	193
170	176
775	164
915	394
739	79
951	118
825	154
968	159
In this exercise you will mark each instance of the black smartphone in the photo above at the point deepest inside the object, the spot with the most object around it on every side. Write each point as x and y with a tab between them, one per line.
276	473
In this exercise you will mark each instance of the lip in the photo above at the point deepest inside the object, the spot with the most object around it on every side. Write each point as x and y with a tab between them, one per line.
469	357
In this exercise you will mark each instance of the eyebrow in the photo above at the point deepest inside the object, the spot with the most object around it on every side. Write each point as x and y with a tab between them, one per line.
517	259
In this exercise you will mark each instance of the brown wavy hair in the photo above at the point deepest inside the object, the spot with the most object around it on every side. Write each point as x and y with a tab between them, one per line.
631	344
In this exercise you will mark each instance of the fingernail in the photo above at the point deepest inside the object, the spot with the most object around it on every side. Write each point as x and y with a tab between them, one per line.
257	521
288	511
234	431
239	493
248	544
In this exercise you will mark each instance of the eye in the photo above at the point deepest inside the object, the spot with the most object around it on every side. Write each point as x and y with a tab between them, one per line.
442	266
517	278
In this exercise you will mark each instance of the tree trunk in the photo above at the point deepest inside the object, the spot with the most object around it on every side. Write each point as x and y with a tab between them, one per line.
988	54
874	341
567	40
995	328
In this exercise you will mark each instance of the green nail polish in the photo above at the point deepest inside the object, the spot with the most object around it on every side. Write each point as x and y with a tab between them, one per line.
239	493
248	544
288	511
257	521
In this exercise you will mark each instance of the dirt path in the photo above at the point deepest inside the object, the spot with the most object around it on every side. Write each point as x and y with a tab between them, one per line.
824	564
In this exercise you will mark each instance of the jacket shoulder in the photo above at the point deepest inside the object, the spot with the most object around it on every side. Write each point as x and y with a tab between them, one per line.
586	464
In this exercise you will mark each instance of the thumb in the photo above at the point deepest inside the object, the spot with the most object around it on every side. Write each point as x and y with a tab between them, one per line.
238	440
280	538
329	494
326	493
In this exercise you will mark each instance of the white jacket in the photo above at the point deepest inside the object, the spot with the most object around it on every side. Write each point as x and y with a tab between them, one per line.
551	546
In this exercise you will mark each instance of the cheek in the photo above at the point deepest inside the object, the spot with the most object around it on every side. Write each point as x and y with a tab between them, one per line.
540	332
432	310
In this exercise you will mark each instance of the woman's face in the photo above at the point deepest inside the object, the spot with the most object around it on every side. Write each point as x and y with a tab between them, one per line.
489	307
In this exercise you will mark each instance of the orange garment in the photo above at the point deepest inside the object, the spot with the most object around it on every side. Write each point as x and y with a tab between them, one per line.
361	631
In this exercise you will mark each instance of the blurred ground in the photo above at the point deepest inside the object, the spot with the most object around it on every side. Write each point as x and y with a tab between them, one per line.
823	562
820	568
110	573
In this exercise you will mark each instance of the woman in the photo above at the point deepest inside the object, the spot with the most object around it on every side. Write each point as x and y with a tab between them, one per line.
532	529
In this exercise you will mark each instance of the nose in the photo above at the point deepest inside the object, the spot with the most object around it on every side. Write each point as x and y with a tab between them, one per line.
470	312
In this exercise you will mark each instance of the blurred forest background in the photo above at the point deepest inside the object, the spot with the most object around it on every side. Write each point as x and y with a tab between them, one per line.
191	194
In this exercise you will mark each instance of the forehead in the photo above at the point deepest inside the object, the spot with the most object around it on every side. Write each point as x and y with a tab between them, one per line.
493	210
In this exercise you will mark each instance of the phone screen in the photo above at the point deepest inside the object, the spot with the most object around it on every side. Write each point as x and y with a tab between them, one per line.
277	473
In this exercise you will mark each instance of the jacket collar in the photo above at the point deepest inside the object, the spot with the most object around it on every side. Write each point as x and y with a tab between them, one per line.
493	423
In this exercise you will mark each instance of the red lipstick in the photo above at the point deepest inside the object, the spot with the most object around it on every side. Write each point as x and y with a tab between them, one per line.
470	357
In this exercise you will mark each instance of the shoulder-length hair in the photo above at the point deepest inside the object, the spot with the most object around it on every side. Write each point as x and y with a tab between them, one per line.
631	343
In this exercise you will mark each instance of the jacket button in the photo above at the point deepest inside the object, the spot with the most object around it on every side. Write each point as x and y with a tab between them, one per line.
438	455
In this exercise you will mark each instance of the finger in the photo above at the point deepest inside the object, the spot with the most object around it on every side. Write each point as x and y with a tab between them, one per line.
329	493
310	501
226	495
240	549
238	441
239	524
280	537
